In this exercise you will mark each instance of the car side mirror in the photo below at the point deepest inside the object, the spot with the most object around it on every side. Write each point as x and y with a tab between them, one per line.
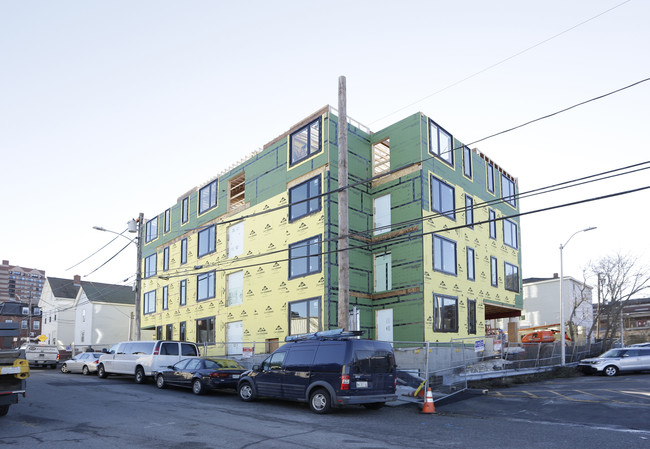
170	366
256	367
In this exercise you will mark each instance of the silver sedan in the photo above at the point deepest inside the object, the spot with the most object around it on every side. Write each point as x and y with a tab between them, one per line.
85	363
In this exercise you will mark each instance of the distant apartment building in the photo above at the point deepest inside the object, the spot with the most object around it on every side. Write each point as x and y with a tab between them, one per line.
20	283
251	255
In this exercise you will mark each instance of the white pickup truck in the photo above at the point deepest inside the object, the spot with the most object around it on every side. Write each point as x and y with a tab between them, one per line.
41	355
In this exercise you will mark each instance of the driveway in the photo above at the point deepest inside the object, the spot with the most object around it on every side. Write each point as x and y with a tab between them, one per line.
618	403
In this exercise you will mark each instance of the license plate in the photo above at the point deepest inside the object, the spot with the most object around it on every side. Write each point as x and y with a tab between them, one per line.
362	384
235	376
41	355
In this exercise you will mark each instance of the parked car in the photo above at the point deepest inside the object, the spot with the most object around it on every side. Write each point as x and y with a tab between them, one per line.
616	360
41	355
641	345
141	358
84	363
201	375
326	369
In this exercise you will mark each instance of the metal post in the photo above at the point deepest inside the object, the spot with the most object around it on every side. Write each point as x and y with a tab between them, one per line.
562	338
343	255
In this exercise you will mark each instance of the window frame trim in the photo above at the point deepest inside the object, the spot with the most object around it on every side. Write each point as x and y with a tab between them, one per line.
309	154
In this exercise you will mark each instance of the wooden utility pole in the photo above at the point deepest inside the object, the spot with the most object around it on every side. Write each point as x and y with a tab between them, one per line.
138	276
344	226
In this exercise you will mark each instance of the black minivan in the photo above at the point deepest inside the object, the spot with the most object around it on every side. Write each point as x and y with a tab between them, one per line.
326	369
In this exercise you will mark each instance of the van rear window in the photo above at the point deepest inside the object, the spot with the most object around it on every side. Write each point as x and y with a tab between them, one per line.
188	349
372	362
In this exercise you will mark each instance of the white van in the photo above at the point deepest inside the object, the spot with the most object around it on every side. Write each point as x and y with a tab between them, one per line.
140	358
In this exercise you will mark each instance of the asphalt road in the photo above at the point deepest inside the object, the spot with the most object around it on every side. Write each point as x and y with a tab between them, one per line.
75	411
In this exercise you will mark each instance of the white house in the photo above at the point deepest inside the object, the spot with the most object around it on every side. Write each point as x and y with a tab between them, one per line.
57	310
103	314
542	304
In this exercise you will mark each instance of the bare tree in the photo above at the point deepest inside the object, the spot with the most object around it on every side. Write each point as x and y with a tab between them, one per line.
619	278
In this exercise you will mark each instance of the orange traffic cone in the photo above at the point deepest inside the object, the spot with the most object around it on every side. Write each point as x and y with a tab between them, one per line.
428	403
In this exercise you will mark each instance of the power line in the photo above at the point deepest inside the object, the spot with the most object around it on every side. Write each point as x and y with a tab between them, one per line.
79	263
499	62
477	206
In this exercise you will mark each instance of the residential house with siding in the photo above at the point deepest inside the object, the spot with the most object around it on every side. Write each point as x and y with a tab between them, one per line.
251	256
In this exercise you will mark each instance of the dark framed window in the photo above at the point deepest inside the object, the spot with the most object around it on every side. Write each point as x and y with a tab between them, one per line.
208	197
305	142
469	211
304	198
183	251
207	241
185	209
445	313
149	302
169	331
183	292
305	257
166	258
165	297
205	330
443	198
471	316
494	272
493	224
151	230
467	162
304	316
150	265
205	283
490	177
511	276
471	269
508	190
182	331
440	143
510	233
444	255
168	221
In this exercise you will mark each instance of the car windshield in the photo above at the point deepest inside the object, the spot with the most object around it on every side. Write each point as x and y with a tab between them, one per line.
613	353
222	363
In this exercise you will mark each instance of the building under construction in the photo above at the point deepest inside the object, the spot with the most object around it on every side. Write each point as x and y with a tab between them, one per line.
251	256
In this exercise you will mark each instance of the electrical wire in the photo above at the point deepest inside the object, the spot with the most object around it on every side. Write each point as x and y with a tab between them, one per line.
115	238
477	206
498	63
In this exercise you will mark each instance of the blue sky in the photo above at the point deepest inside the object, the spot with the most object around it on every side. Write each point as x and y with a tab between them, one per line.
93	92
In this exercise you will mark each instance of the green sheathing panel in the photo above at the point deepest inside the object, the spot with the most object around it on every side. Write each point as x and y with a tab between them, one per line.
403	241
267	288
477	237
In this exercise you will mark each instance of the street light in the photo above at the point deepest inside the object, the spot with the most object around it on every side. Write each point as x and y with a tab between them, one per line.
133	226
562	331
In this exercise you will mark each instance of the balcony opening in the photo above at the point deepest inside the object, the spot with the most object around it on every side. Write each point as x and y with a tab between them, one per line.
381	157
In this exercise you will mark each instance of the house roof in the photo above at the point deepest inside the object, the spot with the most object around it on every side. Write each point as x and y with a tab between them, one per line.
63	288
111	293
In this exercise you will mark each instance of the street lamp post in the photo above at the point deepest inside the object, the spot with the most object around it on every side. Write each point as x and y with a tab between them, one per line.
562	330
134	226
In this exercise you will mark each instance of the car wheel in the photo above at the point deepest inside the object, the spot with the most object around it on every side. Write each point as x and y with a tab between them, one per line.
246	392
4	409
610	371
85	370
64	369
320	401
160	382
101	372
374	405
197	387
140	378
